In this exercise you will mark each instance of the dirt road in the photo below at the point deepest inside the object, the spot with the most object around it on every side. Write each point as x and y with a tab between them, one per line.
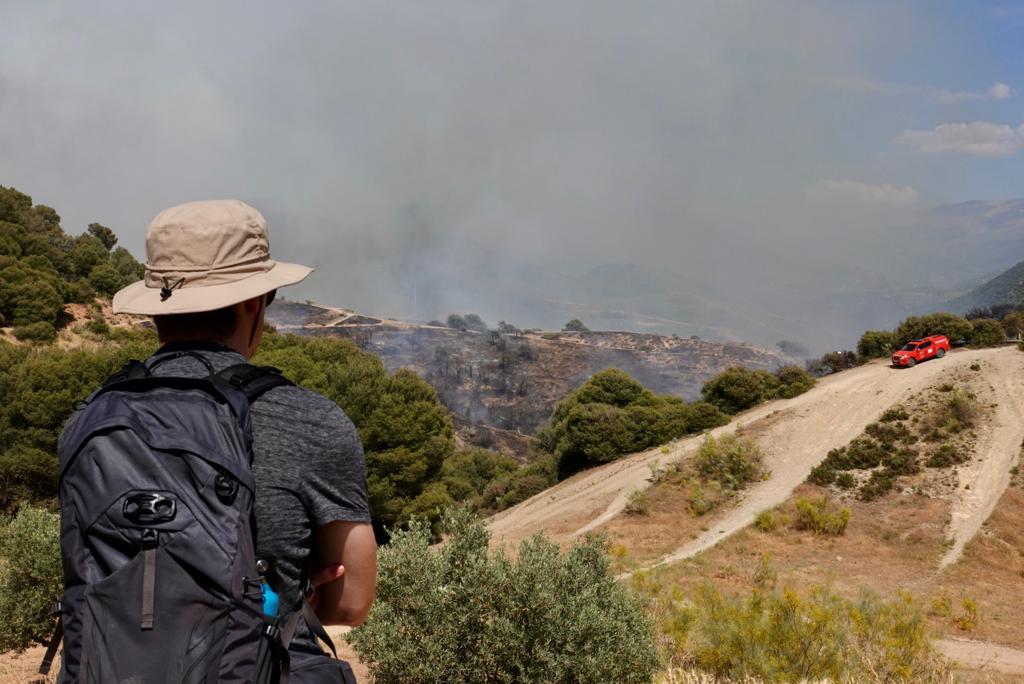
986	477
794	434
982	655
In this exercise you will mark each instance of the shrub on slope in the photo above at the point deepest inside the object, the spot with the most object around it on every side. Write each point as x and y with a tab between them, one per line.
458	613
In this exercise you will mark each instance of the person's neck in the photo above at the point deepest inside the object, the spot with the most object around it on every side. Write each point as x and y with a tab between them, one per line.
234	345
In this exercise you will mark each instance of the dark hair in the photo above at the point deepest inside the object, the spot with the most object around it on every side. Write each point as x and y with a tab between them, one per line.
212	326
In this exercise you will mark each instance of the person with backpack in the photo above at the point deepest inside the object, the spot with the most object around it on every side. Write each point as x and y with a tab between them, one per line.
214	516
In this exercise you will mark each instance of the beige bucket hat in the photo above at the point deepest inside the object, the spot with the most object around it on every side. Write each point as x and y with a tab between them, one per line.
203	256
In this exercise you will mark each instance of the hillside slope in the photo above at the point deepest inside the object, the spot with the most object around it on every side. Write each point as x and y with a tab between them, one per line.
795	435
1006	288
512	381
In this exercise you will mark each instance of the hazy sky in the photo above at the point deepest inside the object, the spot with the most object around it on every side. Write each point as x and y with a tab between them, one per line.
562	133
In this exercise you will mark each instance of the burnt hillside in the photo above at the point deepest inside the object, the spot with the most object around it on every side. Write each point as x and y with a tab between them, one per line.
513	381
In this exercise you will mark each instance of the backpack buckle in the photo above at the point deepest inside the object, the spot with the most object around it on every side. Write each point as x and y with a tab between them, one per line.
146	508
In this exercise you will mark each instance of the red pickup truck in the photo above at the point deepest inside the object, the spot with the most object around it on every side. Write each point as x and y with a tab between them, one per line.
934	346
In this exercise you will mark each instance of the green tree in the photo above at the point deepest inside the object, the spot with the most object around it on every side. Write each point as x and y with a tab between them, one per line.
794	381
575	325
546	616
1013	324
88	253
105	279
467	473
952	326
130	269
736	389
103	234
28	295
876	344
987	333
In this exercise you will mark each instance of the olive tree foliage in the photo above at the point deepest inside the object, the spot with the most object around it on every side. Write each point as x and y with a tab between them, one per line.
459	613
42	268
30	578
612	415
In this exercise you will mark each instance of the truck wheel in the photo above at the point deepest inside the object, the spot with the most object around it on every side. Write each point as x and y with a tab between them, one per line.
910	363
940	353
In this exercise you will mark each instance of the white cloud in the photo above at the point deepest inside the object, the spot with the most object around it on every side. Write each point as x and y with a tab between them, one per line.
826	190
860	84
1000	91
978	138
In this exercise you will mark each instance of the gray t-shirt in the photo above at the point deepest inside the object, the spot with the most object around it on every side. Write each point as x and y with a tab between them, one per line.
308	464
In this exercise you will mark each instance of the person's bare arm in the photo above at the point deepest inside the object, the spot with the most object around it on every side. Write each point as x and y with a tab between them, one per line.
343	570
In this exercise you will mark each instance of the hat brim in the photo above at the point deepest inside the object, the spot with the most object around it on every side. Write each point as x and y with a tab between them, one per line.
139	299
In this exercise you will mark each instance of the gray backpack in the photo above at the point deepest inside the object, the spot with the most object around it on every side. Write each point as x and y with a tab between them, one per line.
162	582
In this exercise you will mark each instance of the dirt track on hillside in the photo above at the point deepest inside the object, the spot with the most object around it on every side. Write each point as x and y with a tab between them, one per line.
795	435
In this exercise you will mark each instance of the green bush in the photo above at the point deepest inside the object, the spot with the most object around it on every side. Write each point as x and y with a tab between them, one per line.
467	473
875	344
40	331
98	326
1013	324
737	389
820	516
766	521
637	503
833	362
880	483
959	410
950	325
30	578
702	416
894	414
458	613
731	461
508	490
781	635
612	415
947	455
822	474
987	333
795	381
26	474
846	480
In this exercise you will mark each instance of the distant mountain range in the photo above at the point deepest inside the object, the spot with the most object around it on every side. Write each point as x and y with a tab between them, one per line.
822	292
1006	288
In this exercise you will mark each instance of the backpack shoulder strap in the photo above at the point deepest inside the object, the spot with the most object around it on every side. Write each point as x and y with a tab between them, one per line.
132	370
253	381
